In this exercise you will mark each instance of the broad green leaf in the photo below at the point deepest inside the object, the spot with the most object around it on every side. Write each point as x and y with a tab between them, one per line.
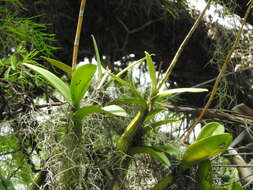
205	175
152	152
163	184
166	93
8	143
99	63
123	82
152	72
60	65
55	81
112	110
210	129
129	101
80	82
153	113
205	149
158	124
168	149
236	186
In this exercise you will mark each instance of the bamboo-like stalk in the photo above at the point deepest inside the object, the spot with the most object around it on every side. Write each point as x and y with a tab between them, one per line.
77	37
217	81
181	47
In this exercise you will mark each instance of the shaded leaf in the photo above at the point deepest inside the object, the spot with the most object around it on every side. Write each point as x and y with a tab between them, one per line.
168	149
205	175
158	124
213	128
237	186
163	184
153	113
205	149
60	65
5	184
8	143
56	82
80	82
129	101
160	156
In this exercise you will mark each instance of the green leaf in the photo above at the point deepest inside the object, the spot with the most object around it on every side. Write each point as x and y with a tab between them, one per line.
205	149
112	110
160	156
5	184
56	82
236	186
60	65
205	175
126	69
8	143
153	113
132	88
123	101
166	93
163	184
152	72
168	149
80	82
115	110
210	129
99	63
158	124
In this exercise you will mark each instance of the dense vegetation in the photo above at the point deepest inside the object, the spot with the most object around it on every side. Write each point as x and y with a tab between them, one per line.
65	125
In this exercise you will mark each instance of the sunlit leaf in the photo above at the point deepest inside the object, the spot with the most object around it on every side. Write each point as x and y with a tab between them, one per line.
99	63
152	152
60	65
152	72
80	82
55	81
205	149
163	184
112	110
166	93
213	128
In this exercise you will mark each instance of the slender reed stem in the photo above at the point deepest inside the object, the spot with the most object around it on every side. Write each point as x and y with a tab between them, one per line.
181	47
217	81
77	37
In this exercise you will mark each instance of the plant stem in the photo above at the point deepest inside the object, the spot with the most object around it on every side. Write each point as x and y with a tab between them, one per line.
77	37
181	47
217	81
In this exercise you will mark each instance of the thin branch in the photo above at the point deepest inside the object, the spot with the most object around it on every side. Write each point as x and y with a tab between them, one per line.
77	37
186	135
182	46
